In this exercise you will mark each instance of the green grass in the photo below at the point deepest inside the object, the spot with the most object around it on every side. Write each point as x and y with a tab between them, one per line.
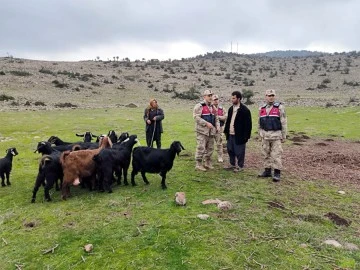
141	228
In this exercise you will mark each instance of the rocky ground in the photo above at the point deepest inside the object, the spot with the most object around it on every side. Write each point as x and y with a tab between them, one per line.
331	80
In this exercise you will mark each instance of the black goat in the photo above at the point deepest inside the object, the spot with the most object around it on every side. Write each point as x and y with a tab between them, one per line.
6	165
148	159
68	146
57	141
116	159
50	170
87	136
112	136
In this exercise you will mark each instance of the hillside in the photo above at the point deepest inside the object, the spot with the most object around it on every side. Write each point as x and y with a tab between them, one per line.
326	80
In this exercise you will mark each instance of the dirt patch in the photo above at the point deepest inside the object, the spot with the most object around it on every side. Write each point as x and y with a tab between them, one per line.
337	219
335	160
276	204
310	218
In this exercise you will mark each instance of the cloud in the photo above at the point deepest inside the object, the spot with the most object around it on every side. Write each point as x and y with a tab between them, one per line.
68	29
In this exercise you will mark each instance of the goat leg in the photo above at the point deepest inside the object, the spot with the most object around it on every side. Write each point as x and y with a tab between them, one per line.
2	180
125	170
144	177
8	179
163	175
133	173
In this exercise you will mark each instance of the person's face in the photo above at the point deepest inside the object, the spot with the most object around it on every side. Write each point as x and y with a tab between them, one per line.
153	103
208	98
235	100
270	98
215	101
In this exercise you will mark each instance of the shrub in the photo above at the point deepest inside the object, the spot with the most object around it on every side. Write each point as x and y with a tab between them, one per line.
327	80
20	73
191	94
59	84
248	94
95	84
39	103
2	73
65	105
46	71
4	97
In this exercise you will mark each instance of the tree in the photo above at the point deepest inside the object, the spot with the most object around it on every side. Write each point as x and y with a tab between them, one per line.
248	94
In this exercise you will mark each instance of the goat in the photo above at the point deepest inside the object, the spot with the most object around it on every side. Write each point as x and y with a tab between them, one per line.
115	159
50	170
147	159
79	164
112	136
68	146
6	165
87	136
45	148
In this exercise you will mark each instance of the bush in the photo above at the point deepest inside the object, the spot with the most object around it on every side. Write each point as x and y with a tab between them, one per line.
2	73
59	84
20	73
39	103
191	94
326	81
4	97
46	71
248	94
65	105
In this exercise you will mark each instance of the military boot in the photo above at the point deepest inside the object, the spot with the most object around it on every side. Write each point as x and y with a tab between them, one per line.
199	166
276	177
266	173
208	164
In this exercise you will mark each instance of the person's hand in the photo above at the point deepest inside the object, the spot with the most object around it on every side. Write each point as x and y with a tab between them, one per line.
209	125
148	121
154	119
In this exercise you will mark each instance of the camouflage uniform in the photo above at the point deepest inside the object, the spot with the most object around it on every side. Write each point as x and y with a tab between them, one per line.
271	139
204	135
219	135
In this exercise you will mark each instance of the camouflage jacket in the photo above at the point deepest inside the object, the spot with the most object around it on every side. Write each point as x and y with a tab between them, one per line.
200	123
278	134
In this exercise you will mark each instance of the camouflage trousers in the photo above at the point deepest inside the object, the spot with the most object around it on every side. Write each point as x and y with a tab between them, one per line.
204	147
272	151
219	142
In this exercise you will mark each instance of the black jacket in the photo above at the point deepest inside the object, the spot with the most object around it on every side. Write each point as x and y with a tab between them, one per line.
242	124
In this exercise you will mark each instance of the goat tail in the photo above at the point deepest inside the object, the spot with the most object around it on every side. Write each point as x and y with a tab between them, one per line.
63	156
45	159
76	147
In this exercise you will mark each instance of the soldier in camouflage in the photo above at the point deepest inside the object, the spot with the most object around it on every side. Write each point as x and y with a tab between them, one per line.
206	126
272	131
222	114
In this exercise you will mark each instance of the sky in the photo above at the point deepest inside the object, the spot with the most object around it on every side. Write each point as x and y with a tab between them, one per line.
73	30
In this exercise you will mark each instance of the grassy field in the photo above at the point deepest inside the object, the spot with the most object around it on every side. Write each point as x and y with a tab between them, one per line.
141	228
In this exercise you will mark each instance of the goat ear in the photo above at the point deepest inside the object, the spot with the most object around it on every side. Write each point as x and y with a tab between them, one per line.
80	135
182	147
94	136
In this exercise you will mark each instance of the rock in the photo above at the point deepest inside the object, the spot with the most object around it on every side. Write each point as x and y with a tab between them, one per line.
332	243
203	216
341	192
211	201
180	198
303	245
351	246
224	206
88	247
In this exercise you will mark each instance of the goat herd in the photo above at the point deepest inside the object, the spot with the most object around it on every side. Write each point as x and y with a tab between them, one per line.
96	165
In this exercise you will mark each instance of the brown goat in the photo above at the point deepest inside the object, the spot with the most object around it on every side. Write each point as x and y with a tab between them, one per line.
79	164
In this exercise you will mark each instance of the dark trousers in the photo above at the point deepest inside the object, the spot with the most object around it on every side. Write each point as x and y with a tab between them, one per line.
157	139
236	151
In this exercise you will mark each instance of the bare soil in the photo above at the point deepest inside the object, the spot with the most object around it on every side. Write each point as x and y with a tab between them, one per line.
315	159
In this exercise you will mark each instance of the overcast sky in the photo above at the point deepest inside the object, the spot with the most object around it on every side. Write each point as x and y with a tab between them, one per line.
73	30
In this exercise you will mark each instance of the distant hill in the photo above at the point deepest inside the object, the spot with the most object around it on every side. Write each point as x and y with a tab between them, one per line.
290	53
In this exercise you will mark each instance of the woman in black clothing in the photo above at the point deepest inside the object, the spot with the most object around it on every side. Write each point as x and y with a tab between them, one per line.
153	116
